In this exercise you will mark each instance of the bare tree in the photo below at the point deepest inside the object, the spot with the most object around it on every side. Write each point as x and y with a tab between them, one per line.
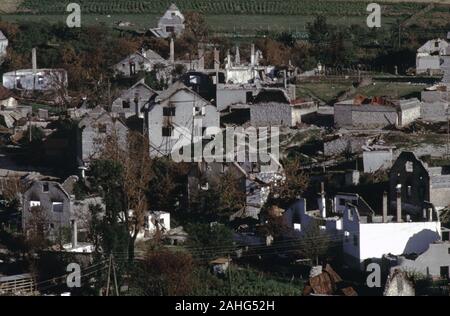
136	177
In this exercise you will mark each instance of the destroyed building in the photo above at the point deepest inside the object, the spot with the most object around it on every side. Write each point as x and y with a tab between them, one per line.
428	57
36	79
170	24
144	60
92	130
130	102
418	183
376	112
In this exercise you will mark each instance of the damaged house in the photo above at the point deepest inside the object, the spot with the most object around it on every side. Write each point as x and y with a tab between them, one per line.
376	112
170	24
50	207
428	57
131	101
140	61
418	183
92	129
36	79
272	106
178	116
433	263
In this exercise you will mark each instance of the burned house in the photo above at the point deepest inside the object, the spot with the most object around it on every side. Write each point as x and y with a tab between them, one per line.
50	207
435	101
36	79
418	183
92	130
170	24
178	116
376	112
272	106
140	61
428	58
433	263
237	72
131	101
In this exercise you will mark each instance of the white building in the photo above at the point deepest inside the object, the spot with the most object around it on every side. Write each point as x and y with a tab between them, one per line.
36	79
130	102
153	222
364	235
179	116
371	237
141	61
428	58
171	23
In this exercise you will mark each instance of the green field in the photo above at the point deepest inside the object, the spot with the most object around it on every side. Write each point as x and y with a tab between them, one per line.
270	7
218	23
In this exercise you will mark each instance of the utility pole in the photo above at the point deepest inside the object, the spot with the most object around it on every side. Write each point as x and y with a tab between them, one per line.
115	277
109	274
229	276
448	133
29	127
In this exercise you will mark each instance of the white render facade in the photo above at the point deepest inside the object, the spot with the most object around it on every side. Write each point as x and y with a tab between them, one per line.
175	116
364	240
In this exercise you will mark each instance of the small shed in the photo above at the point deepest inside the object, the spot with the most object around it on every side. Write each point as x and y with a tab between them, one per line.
220	265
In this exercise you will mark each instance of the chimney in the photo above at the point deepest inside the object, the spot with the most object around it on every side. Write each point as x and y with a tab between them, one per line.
216	61
430	214
172	51
237	57
252	55
136	106
34	60
74	234
385	207
201	58
399	204
323	203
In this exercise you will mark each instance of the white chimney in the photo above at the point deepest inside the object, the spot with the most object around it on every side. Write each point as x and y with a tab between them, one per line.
323	206
399	203
237	57
385	207
172	51
252	55
34	60
74	234
201	58
216	61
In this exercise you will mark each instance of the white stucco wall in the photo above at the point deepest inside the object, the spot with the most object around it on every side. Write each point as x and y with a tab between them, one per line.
183	121
376	239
